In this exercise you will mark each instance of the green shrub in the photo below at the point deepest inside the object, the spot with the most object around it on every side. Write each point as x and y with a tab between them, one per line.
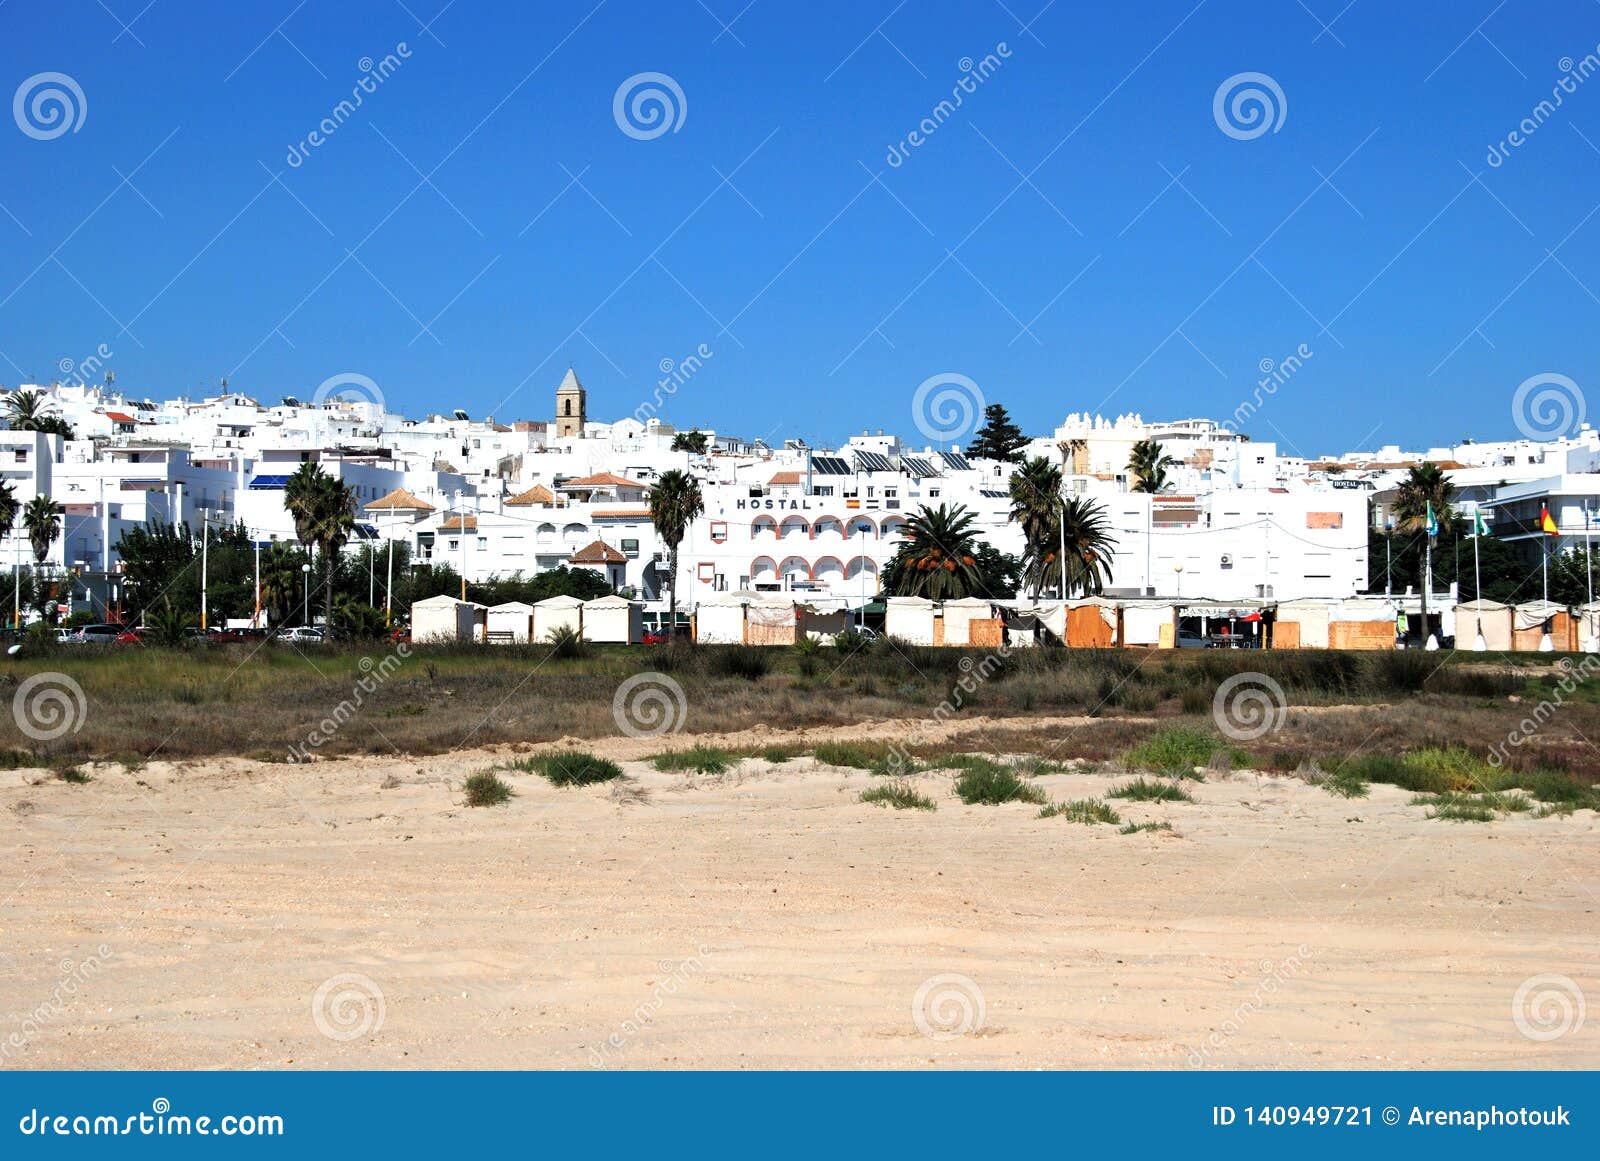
1085	810
780	754
571	768
878	757
485	788
68	772
1345	783
700	759
1173	748
850	642
1151	790
1455	807
898	794
565	643
751	662
996	785
1549	786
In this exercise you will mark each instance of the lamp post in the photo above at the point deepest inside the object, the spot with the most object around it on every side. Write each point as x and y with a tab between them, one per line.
205	562
305	595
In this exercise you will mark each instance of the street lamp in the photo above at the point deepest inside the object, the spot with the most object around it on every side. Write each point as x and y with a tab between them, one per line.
305	603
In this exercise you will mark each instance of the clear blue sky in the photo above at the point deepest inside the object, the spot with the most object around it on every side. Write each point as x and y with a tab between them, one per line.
545	235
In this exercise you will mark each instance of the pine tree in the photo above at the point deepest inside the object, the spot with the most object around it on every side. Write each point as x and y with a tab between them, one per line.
998	438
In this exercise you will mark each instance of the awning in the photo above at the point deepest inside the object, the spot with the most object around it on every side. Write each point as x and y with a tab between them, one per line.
266	483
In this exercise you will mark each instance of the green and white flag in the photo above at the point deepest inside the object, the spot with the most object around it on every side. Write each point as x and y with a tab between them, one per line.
1479	526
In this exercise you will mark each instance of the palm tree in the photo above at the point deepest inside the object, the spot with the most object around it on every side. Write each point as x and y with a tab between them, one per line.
675	502
8	521
24	410
1036	510
1089	541
42	520
938	557
1149	464
1425	488
324	513
1074	452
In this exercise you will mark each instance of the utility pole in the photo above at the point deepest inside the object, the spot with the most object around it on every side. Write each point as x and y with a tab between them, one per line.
388	579
255	621
205	562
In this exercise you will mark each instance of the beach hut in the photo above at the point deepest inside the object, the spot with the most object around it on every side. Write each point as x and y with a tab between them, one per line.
1483	625
1366	624
1091	623
613	619
822	619
770	619
1543	627
443	618
555	613
1303	624
968	621
1147	623
719	618
1589	627
509	624
910	619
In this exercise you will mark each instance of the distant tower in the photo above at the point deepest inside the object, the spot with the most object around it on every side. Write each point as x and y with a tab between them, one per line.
572	406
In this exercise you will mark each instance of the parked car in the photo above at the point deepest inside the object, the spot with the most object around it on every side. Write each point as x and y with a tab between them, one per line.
101	634
302	635
131	636
654	637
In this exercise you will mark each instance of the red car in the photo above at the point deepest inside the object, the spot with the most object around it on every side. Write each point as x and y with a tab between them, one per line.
131	637
654	637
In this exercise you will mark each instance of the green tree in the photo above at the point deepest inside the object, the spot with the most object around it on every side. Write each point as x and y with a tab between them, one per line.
675	502
1036	510
1425	489
937	557
1148	464
1089	542
998	438
31	411
42	520
691	441
324	512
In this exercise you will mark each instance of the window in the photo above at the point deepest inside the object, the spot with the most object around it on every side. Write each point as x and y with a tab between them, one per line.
454	546
933	493
483	544
630	548
719	533
827	491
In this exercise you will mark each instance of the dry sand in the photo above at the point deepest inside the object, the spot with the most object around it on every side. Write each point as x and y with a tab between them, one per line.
187	916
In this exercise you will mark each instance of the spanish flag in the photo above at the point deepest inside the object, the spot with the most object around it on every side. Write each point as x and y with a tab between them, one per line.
1546	523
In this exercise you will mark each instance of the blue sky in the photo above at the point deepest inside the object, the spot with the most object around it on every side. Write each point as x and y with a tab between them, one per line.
1149	262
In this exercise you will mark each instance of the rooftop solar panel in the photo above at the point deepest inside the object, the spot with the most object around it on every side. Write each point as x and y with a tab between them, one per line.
956	460
873	462
918	467
829	466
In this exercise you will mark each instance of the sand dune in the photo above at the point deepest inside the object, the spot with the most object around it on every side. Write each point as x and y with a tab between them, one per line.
242	915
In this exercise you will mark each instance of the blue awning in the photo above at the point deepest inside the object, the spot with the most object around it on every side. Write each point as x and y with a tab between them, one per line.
264	483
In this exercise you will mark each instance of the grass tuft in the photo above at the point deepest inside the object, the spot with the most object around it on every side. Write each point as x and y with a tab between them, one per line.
486	788
699	759
1151	790
1088	811
1137	827
995	785
570	768
899	794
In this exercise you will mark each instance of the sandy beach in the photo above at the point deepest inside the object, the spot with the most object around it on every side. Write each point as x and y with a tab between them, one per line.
355	914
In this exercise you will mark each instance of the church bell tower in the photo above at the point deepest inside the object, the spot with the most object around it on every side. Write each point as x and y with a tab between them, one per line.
572	407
